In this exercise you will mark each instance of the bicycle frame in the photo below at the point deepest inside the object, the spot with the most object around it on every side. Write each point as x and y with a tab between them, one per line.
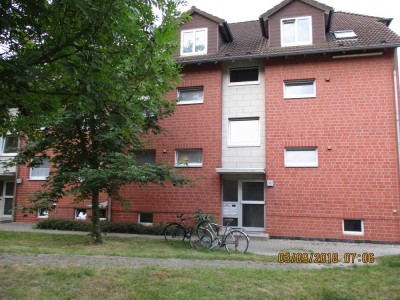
187	230
221	242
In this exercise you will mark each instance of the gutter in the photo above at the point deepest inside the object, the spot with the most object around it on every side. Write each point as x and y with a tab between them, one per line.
283	54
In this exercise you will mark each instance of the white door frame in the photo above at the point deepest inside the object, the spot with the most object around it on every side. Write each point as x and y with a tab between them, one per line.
4	197
235	209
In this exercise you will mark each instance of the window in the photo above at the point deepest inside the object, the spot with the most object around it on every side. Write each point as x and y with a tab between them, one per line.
190	95
80	213
354	227
189	158
345	34
103	214
145	157
243	76
41	172
296	31
244	132
43	213
301	157
230	191
146	218
194	42
9	145
299	89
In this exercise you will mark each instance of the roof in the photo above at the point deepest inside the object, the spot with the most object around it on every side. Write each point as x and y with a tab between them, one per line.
248	41
313	3
223	25
194	9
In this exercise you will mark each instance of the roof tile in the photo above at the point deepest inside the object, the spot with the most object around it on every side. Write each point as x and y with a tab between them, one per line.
249	42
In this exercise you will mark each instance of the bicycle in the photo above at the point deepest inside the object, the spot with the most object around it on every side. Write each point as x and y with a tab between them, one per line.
205	236
179	231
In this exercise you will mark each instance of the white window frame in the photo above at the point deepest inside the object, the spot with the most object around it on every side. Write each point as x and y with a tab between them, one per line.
189	165
296	42
3	143
345	34
76	215
254	144
287	83
353	232
194	45
244	82
301	164
31	177
45	216
199	88
145	223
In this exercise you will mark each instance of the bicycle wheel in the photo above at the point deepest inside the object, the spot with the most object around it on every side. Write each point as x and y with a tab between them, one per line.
174	232
201	238
236	241
203	225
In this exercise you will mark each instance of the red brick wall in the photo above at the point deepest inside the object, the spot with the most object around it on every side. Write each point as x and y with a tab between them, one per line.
65	209
191	126
354	114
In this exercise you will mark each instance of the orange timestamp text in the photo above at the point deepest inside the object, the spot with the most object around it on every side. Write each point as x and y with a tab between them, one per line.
323	258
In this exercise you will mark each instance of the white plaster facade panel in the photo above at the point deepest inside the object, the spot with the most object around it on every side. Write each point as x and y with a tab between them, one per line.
243	101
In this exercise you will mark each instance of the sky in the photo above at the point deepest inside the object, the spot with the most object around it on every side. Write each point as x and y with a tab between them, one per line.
246	10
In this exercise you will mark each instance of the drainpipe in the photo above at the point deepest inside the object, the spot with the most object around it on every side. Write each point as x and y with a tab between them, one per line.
396	99
109	209
13	217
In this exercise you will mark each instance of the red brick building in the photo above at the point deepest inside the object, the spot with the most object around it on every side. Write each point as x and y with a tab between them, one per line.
289	124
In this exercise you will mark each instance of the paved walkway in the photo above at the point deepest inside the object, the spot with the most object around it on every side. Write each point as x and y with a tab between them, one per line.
257	245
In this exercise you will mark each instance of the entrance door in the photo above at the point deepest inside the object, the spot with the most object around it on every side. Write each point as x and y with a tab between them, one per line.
6	198
244	202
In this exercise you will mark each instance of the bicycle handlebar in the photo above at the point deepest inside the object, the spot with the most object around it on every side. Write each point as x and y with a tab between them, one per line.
198	212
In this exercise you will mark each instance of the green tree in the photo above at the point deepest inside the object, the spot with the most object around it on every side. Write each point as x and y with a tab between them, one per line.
84	80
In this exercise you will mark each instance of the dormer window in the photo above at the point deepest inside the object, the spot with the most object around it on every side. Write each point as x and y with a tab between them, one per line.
296	31
345	34
194	42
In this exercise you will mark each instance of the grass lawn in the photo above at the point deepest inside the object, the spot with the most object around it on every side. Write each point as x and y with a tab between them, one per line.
69	244
81	282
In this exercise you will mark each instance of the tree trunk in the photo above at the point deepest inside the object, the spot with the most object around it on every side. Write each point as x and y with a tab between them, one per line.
96	229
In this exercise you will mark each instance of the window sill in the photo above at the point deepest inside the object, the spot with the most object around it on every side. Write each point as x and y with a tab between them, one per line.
297	44
353	233
38	179
300	97
301	166
193	54
244	83
189	166
146	224
189	102
43	217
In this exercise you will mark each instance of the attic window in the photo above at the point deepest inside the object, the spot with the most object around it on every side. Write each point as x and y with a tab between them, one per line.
345	34
194	42
296	31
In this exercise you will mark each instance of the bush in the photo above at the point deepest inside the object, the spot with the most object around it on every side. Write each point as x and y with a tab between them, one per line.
106	227
63	224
